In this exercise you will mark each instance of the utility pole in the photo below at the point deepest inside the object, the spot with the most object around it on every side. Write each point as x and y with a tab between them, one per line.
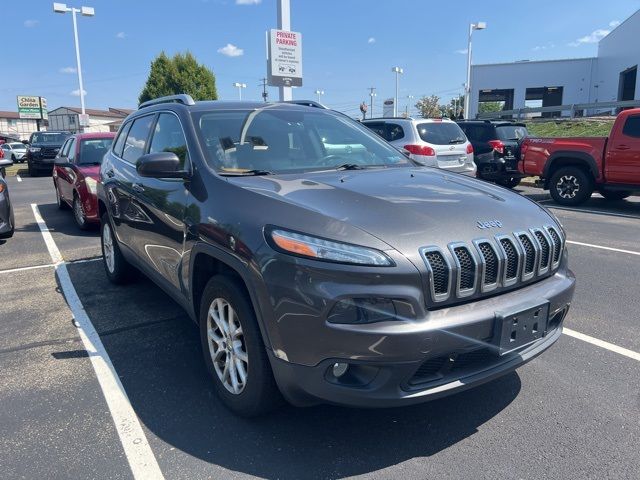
263	84
372	93
284	23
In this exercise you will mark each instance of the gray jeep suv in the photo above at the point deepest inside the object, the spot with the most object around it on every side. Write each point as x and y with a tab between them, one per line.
321	264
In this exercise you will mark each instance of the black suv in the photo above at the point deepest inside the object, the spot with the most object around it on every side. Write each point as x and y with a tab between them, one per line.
320	263
42	151
496	146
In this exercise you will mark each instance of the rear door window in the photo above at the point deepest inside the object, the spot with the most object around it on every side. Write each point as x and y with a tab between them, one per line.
377	127
394	132
135	145
511	132
441	133
632	126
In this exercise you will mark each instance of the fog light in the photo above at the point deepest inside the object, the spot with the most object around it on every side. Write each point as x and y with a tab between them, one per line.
339	369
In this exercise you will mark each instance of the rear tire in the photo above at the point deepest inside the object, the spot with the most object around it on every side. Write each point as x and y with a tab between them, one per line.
237	362
615	196
509	182
118	270
570	186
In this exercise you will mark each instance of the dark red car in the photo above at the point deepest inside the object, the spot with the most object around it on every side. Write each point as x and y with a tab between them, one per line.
76	172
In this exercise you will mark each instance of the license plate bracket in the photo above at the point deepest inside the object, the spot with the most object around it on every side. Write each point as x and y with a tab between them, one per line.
515	330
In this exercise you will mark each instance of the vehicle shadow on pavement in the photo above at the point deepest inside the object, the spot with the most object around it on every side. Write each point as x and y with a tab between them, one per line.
596	204
156	351
61	221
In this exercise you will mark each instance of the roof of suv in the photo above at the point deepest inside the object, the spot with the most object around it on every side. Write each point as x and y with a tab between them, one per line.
495	123
409	119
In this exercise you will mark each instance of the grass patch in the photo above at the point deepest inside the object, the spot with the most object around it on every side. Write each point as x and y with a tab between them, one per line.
571	128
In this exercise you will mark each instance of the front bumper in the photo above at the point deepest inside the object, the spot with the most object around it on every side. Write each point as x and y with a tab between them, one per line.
386	357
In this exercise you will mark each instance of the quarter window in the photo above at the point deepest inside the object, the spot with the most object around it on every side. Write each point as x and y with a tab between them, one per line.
632	126
169	137
119	143
134	146
64	151
72	150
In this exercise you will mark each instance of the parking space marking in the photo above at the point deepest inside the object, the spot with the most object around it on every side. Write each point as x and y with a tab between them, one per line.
136	447
18	177
602	344
601	247
22	269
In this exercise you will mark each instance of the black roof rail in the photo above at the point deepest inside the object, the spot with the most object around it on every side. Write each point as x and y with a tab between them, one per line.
183	98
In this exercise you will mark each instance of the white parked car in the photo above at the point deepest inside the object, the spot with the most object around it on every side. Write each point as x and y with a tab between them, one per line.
15	151
433	142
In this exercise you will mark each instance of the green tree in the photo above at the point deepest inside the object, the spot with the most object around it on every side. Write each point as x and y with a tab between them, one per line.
487	107
429	106
179	74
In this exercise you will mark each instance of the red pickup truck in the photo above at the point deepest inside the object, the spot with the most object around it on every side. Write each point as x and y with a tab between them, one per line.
573	168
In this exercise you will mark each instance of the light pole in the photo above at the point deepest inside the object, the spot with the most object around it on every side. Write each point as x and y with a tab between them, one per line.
318	93
397	71
467	87
240	86
372	94
86	12
406	110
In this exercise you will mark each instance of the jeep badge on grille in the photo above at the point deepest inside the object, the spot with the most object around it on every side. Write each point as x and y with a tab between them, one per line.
488	224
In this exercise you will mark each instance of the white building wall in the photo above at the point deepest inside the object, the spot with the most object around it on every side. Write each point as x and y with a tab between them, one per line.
574	75
20	127
617	52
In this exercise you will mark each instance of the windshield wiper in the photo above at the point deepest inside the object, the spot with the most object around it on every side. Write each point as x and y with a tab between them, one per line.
245	173
349	166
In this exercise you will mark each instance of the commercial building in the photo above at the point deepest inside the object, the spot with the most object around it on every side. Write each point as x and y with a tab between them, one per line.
68	119
14	127
608	77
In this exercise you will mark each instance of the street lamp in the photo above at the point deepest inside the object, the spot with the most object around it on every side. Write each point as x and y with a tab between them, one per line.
240	86
86	12
372	94
397	71
318	93
409	98
467	87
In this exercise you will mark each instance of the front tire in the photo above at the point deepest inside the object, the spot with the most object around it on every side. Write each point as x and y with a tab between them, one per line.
570	186
509	182
62	205
78	214
118	270
234	352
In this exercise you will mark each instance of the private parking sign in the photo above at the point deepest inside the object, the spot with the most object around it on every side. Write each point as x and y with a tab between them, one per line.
285	59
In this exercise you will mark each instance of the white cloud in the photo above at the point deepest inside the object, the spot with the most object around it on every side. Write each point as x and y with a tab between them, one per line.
76	93
121	35
548	46
248	2
595	36
31	23
231	50
462	51
68	70
371	40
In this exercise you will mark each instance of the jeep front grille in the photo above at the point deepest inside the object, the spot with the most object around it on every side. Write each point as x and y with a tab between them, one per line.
486	264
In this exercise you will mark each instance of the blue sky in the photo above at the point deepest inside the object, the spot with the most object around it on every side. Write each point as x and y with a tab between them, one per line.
348	45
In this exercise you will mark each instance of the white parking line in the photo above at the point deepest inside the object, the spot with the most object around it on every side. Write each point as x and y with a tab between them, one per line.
18	177
22	269
136	447
602	344
619	250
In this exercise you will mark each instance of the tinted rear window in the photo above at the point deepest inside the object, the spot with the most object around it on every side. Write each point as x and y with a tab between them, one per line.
49	137
92	150
441	133
632	126
511	132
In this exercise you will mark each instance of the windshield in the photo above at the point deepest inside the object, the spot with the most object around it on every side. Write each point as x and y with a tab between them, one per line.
272	140
92	150
512	132
47	137
18	146
441	133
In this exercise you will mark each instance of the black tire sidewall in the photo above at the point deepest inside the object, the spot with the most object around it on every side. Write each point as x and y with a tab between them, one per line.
260	394
584	182
84	225
121	269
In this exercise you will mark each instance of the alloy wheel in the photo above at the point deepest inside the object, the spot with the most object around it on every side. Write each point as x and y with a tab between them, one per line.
227	346
107	248
78	212
568	186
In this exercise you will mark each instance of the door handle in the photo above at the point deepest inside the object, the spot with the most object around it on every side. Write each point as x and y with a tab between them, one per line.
623	147
136	187
110	173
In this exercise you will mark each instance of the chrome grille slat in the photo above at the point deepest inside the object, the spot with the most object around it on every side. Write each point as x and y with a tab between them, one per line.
487	264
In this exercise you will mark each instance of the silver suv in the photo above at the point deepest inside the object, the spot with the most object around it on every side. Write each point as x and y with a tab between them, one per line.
434	142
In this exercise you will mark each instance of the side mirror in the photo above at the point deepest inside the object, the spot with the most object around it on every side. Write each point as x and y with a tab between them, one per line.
160	165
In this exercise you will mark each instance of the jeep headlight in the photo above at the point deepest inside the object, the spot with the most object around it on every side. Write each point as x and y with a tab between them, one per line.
92	185
327	250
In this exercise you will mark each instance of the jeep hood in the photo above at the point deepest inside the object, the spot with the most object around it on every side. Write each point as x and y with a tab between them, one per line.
407	208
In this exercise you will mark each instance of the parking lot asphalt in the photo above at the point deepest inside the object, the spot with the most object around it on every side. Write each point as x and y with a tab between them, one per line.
573	412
